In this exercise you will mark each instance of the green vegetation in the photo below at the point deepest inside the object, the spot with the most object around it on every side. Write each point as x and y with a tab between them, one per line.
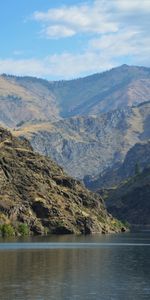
7	230
23	229
117	224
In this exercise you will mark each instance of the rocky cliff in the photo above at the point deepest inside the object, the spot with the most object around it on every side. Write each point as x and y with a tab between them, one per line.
136	160
36	193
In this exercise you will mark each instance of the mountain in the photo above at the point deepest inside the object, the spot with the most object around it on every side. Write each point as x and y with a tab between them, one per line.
136	160
119	87
130	201
26	99
87	146
126	189
37	196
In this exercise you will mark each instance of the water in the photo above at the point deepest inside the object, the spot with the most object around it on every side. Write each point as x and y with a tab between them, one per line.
112	267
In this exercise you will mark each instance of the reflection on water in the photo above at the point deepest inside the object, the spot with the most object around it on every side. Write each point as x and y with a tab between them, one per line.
105	273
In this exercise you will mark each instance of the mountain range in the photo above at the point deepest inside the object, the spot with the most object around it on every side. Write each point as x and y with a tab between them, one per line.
87	146
27	98
85	124
97	128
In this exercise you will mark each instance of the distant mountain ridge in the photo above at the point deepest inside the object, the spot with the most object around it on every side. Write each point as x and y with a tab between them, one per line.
27	98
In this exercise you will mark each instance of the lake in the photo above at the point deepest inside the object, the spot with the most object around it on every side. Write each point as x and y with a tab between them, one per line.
95	267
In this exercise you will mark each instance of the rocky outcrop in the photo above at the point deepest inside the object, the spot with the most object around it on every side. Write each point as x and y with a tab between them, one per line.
35	192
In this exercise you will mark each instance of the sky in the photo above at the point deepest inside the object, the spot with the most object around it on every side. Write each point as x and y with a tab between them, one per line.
65	39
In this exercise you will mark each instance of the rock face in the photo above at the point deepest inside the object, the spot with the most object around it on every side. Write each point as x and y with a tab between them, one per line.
136	160
126	188
36	192
90	145
130	201
26	98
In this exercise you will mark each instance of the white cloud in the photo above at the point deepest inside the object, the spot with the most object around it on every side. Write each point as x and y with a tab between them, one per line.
57	66
78	18
117	31
31	67
120	44
133	6
57	31
69	65
98	17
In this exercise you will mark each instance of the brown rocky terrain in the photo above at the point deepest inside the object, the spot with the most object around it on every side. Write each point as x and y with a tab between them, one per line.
36	192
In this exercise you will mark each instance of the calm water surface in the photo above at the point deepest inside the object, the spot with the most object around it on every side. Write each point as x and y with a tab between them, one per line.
112	267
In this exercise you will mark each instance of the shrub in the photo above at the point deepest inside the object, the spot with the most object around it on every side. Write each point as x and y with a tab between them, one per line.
7	230
23	229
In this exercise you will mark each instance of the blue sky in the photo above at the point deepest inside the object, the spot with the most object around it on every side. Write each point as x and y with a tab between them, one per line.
72	38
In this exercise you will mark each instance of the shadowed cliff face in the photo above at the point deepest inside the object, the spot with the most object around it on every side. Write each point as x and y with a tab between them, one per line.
35	191
126	188
136	159
130	201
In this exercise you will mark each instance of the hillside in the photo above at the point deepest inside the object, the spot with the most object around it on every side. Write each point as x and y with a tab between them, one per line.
23	102
89	145
36	193
26	99
130	201
136	160
119	87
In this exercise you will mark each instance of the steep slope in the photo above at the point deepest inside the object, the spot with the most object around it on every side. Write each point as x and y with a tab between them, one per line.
136	159
130	201
25	98
35	192
90	145
21	103
119	87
